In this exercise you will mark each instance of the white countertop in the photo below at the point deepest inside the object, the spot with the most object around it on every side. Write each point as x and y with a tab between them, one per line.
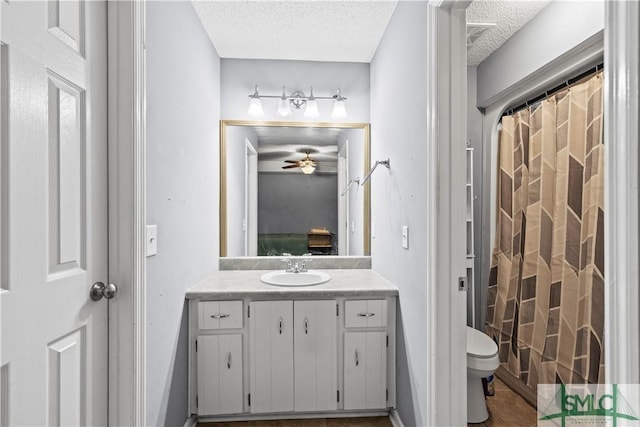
233	284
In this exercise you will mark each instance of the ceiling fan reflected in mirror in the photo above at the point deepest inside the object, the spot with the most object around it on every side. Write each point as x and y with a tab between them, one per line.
307	165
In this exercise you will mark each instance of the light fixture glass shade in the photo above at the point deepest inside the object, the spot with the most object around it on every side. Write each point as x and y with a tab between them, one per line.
255	107
284	109
312	108
307	169
339	110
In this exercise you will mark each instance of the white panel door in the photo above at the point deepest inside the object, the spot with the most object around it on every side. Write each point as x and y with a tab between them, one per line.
219	374
53	212
271	358
365	373
315	355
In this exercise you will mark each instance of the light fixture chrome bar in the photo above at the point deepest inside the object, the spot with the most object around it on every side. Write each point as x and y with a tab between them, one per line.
346	189
295	95
378	162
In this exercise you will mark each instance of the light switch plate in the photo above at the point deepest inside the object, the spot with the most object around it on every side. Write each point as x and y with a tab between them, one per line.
405	236
152	240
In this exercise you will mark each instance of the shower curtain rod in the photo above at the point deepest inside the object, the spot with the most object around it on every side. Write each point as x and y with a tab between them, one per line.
550	92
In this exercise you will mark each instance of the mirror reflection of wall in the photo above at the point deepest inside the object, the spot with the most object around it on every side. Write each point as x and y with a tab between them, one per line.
283	189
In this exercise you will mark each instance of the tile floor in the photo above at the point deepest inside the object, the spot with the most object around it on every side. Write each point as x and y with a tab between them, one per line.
506	409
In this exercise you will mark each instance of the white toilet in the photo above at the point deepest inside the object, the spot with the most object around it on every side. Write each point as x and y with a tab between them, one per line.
482	361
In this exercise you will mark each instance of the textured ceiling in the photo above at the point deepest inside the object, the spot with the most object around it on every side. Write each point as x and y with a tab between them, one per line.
508	17
343	30
340	31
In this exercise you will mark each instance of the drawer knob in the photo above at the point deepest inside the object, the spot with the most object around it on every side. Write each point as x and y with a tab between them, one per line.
220	316
366	314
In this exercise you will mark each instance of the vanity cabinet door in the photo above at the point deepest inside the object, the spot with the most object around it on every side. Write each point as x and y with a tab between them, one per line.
315	355
365	373
219	374
271	356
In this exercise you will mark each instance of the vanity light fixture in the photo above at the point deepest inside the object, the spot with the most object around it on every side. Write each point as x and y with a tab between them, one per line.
298	100
255	105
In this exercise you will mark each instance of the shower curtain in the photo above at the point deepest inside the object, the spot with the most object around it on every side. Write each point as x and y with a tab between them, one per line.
546	286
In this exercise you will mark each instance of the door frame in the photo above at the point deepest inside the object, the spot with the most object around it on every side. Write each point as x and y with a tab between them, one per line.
621	134
446	83
127	211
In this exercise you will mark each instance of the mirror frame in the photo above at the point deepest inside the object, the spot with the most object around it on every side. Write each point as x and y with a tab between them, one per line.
366	127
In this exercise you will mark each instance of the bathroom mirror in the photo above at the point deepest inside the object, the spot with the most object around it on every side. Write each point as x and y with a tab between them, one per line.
291	187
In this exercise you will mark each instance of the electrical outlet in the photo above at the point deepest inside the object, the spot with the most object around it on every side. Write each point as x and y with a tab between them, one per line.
152	240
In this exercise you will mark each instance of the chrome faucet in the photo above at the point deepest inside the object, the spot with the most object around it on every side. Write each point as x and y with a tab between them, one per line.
295	268
289	268
303	269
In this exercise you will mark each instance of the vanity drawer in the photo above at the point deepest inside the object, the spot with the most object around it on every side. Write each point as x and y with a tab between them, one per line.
365	313
220	315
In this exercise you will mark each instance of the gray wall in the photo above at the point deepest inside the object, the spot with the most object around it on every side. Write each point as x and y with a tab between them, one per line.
557	29
183	84
398	197
239	76
294	202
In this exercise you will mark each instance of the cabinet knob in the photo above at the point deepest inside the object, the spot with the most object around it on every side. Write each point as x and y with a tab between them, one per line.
357	357
280	322
229	360
306	326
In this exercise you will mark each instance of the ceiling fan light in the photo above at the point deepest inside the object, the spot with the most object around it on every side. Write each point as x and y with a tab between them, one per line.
307	169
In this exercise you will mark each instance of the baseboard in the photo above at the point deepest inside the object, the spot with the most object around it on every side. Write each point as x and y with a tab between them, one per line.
515	384
395	419
192	421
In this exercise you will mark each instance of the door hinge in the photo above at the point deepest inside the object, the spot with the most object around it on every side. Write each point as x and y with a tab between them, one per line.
249	399
338	392
337	309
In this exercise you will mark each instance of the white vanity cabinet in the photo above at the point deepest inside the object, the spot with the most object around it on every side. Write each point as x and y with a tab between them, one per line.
220	374
219	357
365	354
271	359
293	356
268	352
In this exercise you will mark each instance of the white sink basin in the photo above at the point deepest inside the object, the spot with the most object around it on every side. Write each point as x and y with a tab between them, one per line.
308	278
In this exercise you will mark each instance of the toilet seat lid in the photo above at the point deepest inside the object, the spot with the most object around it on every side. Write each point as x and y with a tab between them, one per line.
480	344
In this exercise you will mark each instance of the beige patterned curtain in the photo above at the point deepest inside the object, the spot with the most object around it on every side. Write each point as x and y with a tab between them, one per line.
546	287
